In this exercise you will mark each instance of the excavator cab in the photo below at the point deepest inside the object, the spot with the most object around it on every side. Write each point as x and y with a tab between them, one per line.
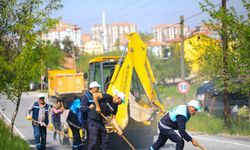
101	69
130	73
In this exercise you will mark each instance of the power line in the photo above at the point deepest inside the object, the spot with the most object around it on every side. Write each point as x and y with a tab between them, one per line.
199	13
123	7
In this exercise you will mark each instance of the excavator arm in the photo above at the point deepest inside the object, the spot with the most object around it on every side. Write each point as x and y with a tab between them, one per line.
137	60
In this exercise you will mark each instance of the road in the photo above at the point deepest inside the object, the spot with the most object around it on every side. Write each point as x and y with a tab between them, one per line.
24	128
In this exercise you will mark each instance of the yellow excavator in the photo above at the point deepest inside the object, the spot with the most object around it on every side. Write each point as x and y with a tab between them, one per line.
130	73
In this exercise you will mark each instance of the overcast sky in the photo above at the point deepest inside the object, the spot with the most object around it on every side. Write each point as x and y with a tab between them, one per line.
144	13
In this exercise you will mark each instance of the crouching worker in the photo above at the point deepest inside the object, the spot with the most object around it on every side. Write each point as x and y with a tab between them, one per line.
40	120
108	105
176	119
74	120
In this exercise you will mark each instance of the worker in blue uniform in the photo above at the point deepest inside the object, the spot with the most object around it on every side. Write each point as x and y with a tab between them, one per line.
77	116
40	120
176	119
108	106
87	104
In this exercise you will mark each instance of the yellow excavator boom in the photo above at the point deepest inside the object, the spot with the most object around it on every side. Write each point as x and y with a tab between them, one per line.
136	59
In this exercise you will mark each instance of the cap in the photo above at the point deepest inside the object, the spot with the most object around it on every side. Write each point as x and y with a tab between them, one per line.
94	84
195	103
40	95
122	96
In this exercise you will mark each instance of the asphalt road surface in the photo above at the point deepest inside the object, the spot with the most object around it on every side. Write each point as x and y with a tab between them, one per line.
24	128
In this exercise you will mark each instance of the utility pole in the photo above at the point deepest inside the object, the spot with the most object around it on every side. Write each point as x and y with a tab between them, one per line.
74	54
182	48
182	51
105	35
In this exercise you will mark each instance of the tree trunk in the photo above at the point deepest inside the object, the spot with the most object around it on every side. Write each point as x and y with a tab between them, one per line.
15	114
224	39
249	105
226	111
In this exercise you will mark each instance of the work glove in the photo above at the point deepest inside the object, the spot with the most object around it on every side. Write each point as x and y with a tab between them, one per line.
28	117
50	126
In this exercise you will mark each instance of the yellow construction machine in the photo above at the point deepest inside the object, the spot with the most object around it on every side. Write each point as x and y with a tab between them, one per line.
65	85
130	73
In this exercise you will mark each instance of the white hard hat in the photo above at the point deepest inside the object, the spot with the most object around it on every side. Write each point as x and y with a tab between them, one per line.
40	95
94	84
195	103
122	96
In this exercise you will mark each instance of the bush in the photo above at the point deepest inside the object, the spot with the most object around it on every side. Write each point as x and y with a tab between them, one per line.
243	113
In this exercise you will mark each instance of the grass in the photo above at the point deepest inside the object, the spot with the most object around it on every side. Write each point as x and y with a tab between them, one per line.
215	125
10	142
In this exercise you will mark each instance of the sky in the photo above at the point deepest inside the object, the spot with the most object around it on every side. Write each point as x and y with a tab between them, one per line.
144	13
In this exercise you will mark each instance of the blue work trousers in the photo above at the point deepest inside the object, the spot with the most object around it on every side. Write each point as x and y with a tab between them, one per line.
40	133
97	133
77	142
166	134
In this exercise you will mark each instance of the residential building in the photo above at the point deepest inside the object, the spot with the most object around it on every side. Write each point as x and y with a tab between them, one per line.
165	32
85	38
159	49
116	32
93	47
63	30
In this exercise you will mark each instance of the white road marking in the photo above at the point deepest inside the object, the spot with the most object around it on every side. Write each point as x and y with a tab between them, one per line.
222	141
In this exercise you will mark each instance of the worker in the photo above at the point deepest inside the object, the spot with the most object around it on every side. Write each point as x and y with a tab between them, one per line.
176	119
77	118
108	105
40	120
87	103
57	110
73	120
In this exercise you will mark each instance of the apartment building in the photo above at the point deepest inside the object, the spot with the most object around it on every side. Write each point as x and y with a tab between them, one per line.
165	32
115	32
93	47
63	30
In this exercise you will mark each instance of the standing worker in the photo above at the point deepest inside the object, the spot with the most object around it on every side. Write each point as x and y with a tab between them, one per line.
40	120
176	119
108	106
87	103
78	113
57	110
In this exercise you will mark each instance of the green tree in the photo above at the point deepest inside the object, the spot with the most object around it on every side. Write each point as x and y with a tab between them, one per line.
229	66
168	68
56	43
83	62
117	44
68	45
21	22
53	56
146	37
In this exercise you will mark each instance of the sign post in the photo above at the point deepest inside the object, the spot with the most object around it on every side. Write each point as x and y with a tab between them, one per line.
183	88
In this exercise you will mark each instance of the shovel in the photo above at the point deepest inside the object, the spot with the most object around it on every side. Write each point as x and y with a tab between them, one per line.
125	139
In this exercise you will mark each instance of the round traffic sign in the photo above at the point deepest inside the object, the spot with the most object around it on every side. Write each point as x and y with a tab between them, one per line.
183	87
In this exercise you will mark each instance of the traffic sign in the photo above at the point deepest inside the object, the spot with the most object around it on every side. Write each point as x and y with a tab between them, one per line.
183	87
